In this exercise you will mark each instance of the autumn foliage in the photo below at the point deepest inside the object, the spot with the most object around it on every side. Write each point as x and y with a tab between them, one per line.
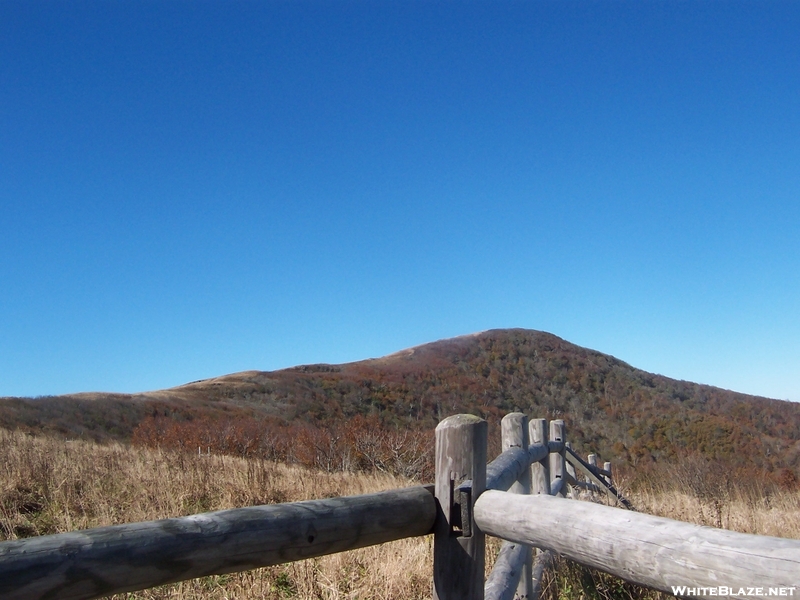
358	444
373	414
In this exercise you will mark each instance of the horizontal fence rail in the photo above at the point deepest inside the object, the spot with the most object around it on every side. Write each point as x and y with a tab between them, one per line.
651	551
597	477
507	468
122	558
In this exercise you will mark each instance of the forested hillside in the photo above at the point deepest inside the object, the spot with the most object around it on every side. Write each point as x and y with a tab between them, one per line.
624	413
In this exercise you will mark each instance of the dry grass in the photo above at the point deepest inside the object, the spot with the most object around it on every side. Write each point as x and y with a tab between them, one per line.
703	492
51	486
775	514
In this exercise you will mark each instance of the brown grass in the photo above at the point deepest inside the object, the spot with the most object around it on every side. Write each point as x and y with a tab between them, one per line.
700	491
51	486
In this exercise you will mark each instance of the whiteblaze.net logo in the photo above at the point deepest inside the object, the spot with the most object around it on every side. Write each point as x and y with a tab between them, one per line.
724	590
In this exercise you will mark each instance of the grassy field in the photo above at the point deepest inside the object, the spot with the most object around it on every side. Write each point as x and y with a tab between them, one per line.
51	486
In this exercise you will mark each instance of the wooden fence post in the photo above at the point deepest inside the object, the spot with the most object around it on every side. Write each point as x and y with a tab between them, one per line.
514	434
540	471
557	462
540	484
607	467
571	475
592	460
459	559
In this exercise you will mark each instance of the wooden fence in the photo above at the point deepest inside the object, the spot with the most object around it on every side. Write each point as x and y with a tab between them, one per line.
520	497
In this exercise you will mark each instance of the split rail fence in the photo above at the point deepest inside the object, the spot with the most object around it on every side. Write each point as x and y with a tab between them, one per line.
520	497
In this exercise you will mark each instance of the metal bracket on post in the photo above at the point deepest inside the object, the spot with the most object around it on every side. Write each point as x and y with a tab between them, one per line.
462	508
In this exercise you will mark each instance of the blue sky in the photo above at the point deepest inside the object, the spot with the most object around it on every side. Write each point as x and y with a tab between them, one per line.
189	189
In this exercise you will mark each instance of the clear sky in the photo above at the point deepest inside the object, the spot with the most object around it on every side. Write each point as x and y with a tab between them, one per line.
189	189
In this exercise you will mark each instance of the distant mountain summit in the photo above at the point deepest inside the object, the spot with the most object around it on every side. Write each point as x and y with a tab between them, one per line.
623	412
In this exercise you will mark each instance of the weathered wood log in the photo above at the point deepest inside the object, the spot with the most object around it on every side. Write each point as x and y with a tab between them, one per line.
556	488
506	469
540	470
538	452
458	559
514	434
568	466
584	485
592	460
108	560
506	574
558	472
511	465
554	446
652	551
599	480
544	560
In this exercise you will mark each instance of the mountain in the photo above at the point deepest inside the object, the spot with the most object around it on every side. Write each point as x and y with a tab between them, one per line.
609	406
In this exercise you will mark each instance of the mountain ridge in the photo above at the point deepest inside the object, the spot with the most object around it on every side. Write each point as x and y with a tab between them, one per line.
609	406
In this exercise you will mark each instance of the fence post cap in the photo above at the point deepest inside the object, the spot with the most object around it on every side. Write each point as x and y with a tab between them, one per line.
514	415
458	420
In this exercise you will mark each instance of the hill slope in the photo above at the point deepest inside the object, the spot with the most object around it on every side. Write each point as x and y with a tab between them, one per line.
609	406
